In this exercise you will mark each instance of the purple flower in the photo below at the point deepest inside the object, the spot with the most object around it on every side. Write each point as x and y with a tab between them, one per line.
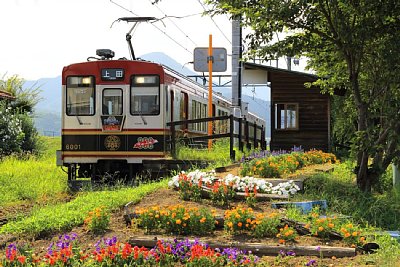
74	236
110	241
97	245
10	249
318	248
282	253
50	248
312	263
291	253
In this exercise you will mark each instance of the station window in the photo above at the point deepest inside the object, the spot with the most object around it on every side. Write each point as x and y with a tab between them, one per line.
112	102
286	116
80	96
145	95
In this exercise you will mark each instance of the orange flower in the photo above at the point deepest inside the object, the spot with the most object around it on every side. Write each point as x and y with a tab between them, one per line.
240	224
178	221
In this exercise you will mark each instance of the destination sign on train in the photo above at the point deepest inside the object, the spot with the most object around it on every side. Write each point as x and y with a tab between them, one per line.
112	74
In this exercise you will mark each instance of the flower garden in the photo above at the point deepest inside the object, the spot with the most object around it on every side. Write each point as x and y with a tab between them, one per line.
198	221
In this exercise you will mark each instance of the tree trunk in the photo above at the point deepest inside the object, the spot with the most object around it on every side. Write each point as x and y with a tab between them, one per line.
363	179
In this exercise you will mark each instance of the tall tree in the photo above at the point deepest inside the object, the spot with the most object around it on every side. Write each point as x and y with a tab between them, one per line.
352	44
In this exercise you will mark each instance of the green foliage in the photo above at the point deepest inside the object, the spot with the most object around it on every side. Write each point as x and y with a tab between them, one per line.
31	143
98	220
338	188
219	153
17	132
11	134
62	217
287	234
26	98
276	166
222	194
388	254
188	190
33	177
352	46
238	220
176	220
267	225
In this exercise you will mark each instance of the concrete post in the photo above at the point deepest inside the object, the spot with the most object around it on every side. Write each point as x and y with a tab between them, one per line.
396	177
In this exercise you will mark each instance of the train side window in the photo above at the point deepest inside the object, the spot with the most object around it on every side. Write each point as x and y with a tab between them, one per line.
112	102
145	95
80	96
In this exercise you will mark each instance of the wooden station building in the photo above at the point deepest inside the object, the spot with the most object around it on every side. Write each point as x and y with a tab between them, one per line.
300	116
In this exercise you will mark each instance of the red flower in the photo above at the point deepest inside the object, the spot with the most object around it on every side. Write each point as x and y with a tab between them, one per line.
21	259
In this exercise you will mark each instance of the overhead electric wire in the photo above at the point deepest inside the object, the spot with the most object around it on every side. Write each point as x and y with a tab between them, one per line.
216	25
169	18
154	26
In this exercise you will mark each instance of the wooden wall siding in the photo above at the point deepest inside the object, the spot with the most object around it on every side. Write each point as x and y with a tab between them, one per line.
313	113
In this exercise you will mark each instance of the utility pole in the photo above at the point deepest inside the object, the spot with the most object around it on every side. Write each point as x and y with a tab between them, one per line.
236	63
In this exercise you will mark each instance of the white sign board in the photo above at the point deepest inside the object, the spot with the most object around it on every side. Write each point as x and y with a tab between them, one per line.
201	59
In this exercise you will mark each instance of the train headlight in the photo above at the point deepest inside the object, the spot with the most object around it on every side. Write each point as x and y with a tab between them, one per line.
145	79
86	80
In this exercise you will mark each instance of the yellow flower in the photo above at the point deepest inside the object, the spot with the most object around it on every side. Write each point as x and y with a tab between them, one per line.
230	224
202	220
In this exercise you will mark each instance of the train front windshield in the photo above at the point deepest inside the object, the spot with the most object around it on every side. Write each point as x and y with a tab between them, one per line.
80	96
145	95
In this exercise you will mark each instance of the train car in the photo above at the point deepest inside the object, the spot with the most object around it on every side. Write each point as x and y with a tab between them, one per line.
115	112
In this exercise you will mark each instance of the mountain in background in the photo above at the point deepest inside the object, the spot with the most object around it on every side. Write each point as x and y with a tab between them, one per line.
48	110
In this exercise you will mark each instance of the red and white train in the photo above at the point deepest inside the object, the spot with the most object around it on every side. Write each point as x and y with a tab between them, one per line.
115	113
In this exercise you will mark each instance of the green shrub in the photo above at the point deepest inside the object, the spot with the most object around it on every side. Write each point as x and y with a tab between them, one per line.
11	133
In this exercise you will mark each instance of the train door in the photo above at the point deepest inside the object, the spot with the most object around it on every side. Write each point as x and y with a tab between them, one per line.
172	106
184	109
112	120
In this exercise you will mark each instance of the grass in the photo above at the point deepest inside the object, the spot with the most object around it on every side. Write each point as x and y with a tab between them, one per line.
62	217
219	154
343	196
32	178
